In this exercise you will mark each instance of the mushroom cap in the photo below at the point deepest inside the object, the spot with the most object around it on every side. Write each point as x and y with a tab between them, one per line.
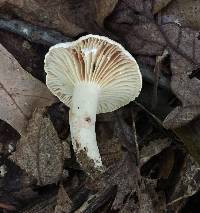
97	60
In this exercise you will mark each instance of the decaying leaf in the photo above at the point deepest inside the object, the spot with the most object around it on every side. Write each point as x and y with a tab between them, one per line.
148	28
190	136
108	142
104	8
69	17
40	153
151	200
140	33
184	12
187	184
63	201
20	93
186	89
153	148
44	13
159	5
125	178
134	192
18	3
147	36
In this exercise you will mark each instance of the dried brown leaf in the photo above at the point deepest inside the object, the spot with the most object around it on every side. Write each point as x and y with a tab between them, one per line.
126	179
188	183
150	199
103	9
18	3
184	46
152	149
49	14
148	36
140	32
20	93
63	201
40	153
184	12
69	17
159	5
185	88
108	142
190	136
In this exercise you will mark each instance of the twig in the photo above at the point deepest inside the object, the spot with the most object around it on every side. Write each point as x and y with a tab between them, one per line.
179	199
147	74
32	32
7	207
149	113
49	37
135	139
99	200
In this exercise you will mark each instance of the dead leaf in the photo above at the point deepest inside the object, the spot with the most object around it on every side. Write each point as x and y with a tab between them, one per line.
186	89
159	5
184	48
185	12
69	17
141	33
19	3
152	149
151	200
123	176
190	136
45	13
40	153
103	9
145	35
63	201
187	184
20	93
108	142
7	207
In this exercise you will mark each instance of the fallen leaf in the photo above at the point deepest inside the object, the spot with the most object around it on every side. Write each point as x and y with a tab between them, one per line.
190	136
7	206
188	183
40	153
140	33
152	149
69	17
146	35
19	3
20	93
151	200
185	12
63	201
47	14
125	176
186	89
103	9
108	142
159	5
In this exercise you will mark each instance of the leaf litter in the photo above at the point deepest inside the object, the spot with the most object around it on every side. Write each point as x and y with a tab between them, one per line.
41	153
143	159
20	93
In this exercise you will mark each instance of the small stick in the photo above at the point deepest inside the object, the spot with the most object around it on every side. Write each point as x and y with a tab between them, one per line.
32	32
50	37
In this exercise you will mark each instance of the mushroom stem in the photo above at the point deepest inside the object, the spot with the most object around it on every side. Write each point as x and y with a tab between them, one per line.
82	118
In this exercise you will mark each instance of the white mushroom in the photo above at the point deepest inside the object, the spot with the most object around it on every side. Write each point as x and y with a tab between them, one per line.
91	75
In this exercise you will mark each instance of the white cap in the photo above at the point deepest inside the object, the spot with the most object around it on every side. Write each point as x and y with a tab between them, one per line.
96	59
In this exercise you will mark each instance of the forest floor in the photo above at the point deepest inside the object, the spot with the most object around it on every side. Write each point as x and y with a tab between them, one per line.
150	147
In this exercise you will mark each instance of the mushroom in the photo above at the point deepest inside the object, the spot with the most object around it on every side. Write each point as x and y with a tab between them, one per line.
91	75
